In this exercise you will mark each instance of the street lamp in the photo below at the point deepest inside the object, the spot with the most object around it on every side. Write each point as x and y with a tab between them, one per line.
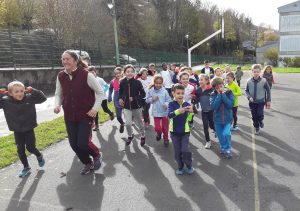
112	7
187	41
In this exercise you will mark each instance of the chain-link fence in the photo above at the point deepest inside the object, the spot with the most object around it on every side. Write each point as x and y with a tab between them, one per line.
20	50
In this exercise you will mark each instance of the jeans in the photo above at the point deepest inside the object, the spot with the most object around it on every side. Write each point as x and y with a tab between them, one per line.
224	135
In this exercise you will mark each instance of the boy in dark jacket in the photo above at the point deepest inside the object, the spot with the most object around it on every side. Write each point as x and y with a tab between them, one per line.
131	94
180	113
222	101
20	113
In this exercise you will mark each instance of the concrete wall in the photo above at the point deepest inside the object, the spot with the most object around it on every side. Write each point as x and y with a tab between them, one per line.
43	78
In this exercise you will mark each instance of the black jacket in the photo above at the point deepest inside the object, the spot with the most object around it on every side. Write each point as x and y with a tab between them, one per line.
211	70
21	115
131	88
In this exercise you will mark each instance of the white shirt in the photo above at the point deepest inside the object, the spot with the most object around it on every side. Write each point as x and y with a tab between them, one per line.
102	84
188	93
167	78
146	83
207	71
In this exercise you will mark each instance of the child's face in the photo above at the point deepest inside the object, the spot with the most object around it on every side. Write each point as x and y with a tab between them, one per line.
220	88
268	69
68	62
152	69
202	82
184	80
129	73
229	79
227	69
256	73
218	73
144	75
173	67
118	74
17	92
158	83
206	65
178	95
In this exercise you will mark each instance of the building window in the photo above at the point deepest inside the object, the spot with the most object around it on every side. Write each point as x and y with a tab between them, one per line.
290	23
290	43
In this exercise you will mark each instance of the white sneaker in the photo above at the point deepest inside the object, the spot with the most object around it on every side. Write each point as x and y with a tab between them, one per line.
208	145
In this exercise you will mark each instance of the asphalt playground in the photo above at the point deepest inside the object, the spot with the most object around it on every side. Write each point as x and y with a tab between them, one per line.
263	174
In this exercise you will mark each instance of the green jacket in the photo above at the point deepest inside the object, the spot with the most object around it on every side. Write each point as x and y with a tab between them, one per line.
236	90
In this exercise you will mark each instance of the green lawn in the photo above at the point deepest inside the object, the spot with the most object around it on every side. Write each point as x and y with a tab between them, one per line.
275	69
47	133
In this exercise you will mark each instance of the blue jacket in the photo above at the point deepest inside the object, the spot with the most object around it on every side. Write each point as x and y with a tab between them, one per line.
179	123
163	99
222	105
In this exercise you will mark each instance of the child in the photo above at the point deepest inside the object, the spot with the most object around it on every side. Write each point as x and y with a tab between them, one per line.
221	102
159	97
234	87
114	88
151	71
203	95
130	98
167	76
189	91
268	75
105	87
226	70
146	81
207	69
218	73
238	75
258	93
180	113
20	113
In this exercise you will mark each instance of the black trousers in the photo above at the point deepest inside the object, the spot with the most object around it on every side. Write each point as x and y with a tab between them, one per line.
26	140
80	139
208	121
234	114
238	82
257	112
105	109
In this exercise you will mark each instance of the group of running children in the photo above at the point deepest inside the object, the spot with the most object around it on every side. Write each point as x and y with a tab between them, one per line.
175	94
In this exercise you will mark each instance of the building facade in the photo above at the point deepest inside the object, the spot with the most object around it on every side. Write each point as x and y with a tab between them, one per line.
289	29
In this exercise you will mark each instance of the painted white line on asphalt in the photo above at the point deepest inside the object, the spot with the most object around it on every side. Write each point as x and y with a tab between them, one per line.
255	174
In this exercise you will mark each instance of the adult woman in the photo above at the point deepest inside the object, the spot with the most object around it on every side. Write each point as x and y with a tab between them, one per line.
80	95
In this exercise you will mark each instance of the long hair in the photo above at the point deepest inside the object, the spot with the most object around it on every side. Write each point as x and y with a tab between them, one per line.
265	69
156	77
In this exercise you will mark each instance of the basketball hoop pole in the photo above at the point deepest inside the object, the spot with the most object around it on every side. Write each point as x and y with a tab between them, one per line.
203	41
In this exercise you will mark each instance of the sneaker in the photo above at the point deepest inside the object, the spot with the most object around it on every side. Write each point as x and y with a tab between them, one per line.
158	137
112	116
228	155
215	134
257	131
261	124
87	168
121	130
222	151
179	172
191	124
143	141
129	140
208	145
97	162
190	171
41	161
96	128
24	172
166	143
234	128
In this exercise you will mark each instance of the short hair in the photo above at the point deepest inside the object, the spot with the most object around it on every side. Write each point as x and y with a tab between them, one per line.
230	75
217	68
118	69
256	66
13	84
206	61
182	74
184	68
177	87
151	65
216	82
206	77
128	66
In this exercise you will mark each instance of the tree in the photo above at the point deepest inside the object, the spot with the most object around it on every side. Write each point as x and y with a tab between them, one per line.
10	13
272	55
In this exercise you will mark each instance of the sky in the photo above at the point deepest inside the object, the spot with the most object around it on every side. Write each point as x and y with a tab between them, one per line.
261	11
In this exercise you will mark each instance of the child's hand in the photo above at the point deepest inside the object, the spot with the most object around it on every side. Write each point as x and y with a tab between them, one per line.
181	110
121	102
92	113
189	109
28	89
154	98
3	91
251	99
268	105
